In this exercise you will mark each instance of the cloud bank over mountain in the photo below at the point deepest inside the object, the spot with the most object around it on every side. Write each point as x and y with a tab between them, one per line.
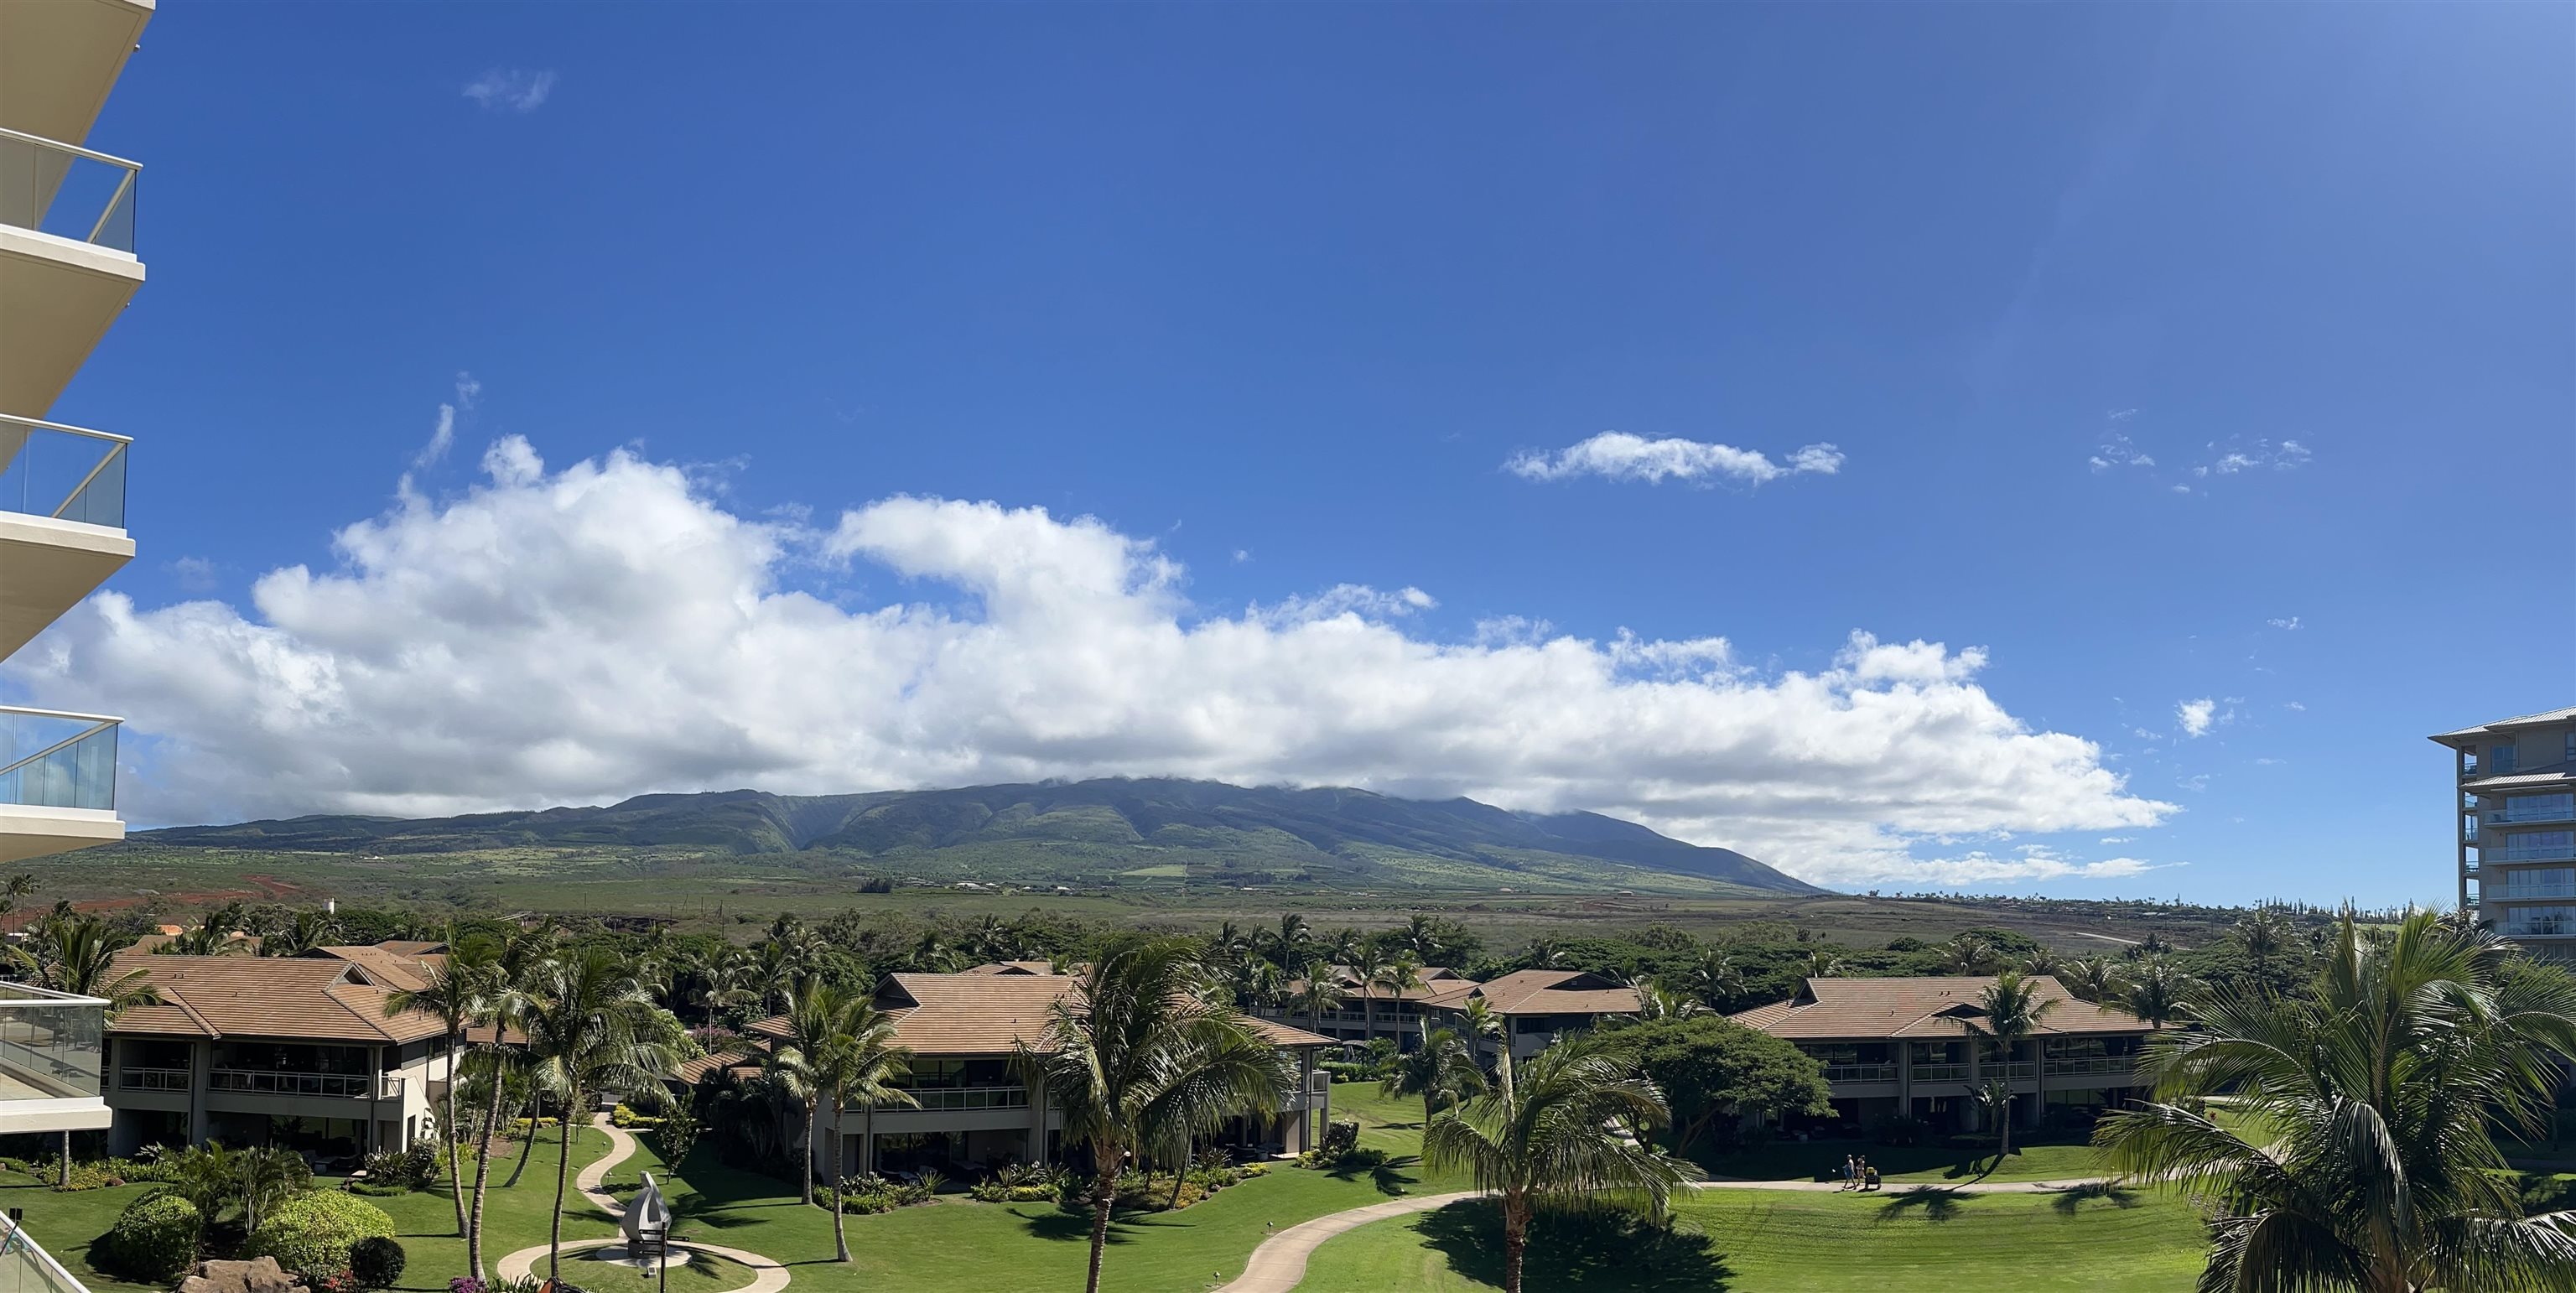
580	634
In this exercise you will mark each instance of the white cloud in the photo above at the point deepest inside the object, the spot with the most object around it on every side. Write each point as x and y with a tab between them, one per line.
2196	715
194	574
2035	863
442	436
1617	455
2268	762
511	89
2116	450
609	628
2291	623
1242	555
2119	839
2294	705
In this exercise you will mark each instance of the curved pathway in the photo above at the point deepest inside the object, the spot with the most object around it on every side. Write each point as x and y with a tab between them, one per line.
767	1275
1280	1262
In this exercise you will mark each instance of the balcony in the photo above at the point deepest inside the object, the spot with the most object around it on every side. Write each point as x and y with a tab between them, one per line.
1940	1073
2092	1066
57	782
341	1086
2530	814
1860	1072
58	61
62	521
67	263
138	1079
2527	892
25	1266
51	1050
944	1099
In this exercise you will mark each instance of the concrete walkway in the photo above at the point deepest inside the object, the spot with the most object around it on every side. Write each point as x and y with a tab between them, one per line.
1905	1187
767	1276
1280	1262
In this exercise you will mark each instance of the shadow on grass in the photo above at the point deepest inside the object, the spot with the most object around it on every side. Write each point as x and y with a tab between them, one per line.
2070	1201
1937	1203
1071	1225
1612	1252
1389	1174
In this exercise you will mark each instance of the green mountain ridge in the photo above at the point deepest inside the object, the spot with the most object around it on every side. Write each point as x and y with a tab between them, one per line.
1194	826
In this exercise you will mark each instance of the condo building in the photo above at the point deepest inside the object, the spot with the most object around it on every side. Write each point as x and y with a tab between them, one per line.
2514	788
68	266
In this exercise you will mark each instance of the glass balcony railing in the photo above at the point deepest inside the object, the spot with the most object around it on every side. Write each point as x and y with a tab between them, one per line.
63	472
2529	892
932	1099
51	1045
25	1266
67	191
50	759
347	1086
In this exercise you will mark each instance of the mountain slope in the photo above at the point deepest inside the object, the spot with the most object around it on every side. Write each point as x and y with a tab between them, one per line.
1168	826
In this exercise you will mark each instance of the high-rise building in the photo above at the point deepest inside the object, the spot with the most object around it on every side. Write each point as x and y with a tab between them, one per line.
68	265
2515	801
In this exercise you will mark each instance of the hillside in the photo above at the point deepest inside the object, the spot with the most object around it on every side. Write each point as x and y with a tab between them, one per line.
1142	828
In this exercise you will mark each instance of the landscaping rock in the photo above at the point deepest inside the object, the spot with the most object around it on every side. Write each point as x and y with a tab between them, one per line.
259	1275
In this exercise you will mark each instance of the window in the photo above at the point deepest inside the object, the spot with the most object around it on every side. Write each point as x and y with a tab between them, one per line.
2540	808
2538	846
2500	760
2546	882
2570	755
2541	921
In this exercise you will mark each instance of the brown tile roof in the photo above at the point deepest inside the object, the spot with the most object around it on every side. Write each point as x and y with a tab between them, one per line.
1015	967
989	1014
1873	1009
1436	981
390	964
316	999
708	1065
1543	992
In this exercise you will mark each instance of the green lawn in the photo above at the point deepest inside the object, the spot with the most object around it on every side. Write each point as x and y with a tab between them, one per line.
952	1246
1779	1241
1823	1160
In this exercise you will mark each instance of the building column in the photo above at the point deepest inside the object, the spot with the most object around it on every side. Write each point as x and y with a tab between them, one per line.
201	1078
1974	1115
1306	1092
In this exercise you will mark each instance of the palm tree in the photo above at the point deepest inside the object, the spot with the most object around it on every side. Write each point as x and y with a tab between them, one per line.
454	996
2094	978
76	955
501	969
1570	1131
2264	935
1715	979
1970	953
2354	1147
591	1026
1823	963
1442	1071
2157	991
1316	993
1286	946
1136	1056
213	936
1400	976
1421	937
817	1018
1655	1001
311	928
269	1175
2045	960
1545	954
1367	965
2012	1009
859	1064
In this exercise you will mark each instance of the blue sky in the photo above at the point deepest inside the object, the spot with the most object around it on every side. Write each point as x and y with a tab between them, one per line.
2139	336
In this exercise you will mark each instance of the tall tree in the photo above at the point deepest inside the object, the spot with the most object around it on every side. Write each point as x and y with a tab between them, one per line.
859	1065
817	1019
2264	934
504	966
1441	1071
1366	966
2094	978
311	927
1317	992
1572	1130
1712	1069
2010	1011
2157	990
77	954
2341	1135
1400	975
1136	1055
1715	979
454	995
1970	952
591	1026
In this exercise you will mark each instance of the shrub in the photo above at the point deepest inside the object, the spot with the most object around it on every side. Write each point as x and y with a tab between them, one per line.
377	1261
679	1131
622	1116
415	1168
84	1176
311	1233
154	1239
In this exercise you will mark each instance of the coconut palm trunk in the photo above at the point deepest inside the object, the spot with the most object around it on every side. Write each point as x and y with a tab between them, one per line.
563	1180
483	1168
840	1232
1104	1198
527	1109
447	1131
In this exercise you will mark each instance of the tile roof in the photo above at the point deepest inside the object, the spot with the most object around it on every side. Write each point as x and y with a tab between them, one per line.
989	1014
306	999
407	965
2549	776
1436	980
714	1062
1014	967
1542	992
1870	1009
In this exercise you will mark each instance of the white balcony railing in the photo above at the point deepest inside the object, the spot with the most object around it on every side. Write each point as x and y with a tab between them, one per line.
351	1086
52	759
66	473
67	191
2091	1065
1860	1072
1940	1072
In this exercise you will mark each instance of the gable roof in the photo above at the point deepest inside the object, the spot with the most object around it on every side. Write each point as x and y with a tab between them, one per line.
2542	719
990	1014
1542	992
1930	1007
408	964
315	999
1014	968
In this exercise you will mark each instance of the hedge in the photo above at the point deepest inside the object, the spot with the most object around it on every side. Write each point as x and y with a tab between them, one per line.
154	1239
311	1233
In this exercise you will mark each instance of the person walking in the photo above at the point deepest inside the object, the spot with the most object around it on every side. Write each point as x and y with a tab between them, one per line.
1851	1172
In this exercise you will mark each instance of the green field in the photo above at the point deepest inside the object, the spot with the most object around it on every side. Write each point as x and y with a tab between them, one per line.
1823	1161
1777	1241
